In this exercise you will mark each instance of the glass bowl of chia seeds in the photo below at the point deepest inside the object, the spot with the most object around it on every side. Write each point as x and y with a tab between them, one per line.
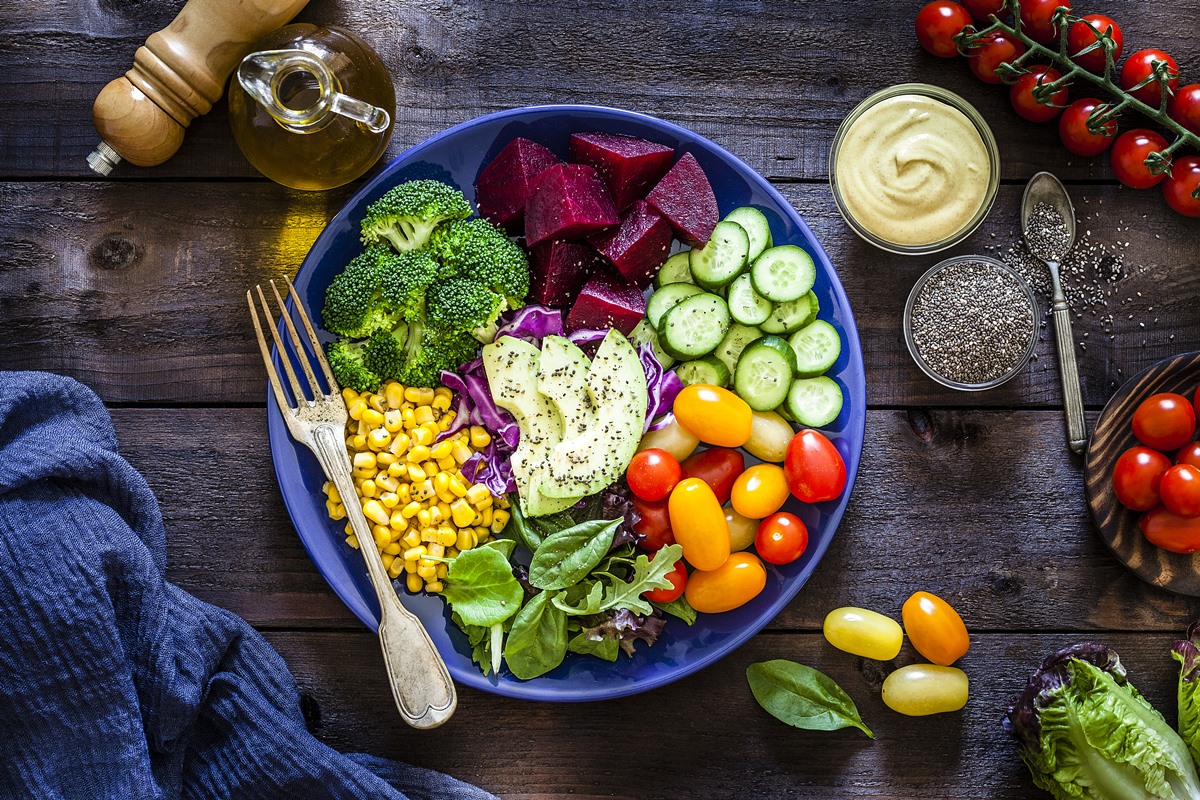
971	323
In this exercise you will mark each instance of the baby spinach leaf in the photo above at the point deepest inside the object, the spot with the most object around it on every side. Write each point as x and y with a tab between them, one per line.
537	642
565	558
680	608
519	528
647	575
602	647
505	546
803	697
582	599
480	587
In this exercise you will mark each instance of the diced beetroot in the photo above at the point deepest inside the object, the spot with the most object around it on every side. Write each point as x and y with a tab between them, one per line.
607	301
504	185
639	245
569	201
557	271
629	166
685	197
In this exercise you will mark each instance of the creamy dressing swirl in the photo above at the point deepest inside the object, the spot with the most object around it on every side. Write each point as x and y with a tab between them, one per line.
912	170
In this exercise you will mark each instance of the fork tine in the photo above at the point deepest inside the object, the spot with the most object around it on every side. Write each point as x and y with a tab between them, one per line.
283	356
312	337
305	363
272	376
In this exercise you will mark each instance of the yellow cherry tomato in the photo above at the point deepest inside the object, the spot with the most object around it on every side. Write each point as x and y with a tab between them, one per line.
922	689
934	628
698	522
714	415
863	633
770	435
734	583
673	438
760	491
742	529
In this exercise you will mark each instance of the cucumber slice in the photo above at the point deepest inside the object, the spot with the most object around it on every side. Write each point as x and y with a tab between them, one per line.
764	373
746	305
756	227
709	370
716	264
788	317
814	402
667	298
644	333
817	346
695	327
782	274
674	270
731	347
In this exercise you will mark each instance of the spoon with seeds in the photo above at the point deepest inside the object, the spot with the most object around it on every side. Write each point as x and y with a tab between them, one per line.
1048	223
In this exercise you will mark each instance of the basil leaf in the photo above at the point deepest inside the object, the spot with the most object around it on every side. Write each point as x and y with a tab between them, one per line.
647	575
803	697
537	642
603	647
565	558
580	600
480	587
519	528
680	608
505	546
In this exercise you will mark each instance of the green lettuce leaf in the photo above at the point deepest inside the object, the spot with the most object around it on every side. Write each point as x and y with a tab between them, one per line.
1187	653
480	587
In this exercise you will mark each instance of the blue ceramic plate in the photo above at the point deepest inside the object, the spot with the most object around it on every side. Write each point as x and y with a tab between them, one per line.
456	156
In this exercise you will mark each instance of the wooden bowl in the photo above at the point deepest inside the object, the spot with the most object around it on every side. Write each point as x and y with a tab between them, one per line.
1118	526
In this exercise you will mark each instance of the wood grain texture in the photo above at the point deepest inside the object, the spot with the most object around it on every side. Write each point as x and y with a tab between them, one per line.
789	67
138	289
1117	525
635	748
983	508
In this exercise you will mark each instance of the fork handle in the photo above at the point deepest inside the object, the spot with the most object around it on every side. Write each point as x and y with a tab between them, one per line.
421	684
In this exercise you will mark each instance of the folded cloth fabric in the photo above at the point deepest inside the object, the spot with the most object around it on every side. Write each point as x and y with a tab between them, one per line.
115	683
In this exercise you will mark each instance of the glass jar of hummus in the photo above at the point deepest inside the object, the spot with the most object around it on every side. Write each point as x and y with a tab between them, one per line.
914	169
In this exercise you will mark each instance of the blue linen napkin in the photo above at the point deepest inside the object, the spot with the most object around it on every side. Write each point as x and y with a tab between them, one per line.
115	683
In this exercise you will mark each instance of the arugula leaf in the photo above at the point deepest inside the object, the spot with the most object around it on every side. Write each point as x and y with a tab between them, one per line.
480	587
803	697
565	558
647	575
537	642
603	647
679	608
579	600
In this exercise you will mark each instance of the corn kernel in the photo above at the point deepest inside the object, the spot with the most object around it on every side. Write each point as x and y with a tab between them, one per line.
337	511
386	483
465	539
461	452
416	474
349	395
387	560
423	517
376	512
441	450
479	496
410	567
367	489
356	409
378	439
482	534
502	502
410	510
413	582
352	540
414	553
423	414
399	445
384	459
499	520
393	421
423	490
398	470
404	490
372	417
412	538
361	475
427	572
437	550
446	496
442	570
457	486
433	587
435	515
364	461
394	549
462	513
447	464
423	435
487	517
389	500
397	569
382	534
480	438
447	536
442	398
477	520
418	454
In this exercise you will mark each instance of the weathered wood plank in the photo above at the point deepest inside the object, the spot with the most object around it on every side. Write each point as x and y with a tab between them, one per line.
983	508
138	289
634	747
790	69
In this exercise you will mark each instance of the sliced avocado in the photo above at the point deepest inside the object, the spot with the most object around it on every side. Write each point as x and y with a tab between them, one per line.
511	366
562	379
593	459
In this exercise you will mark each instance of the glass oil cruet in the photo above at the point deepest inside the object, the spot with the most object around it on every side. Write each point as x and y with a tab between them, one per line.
312	107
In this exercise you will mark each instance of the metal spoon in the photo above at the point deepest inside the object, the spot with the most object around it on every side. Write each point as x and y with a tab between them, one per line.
1045	188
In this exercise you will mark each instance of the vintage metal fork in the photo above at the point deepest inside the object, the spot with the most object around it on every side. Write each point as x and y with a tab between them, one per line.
424	692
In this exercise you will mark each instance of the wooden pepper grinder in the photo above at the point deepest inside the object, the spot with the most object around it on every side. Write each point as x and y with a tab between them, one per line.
177	75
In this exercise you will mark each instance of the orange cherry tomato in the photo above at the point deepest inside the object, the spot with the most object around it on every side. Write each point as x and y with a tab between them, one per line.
699	524
934	628
734	583
760	491
714	415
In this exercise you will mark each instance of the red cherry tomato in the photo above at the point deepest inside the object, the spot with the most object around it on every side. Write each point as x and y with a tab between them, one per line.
654	525
1074	133
997	49
937	25
699	524
1165	421
781	538
734	583
982	9
1140	66
1022	99
1181	187
814	468
1180	490
1136	477
1170	532
719	467
678	578
1189	454
1083	34
1184	107
1128	157
1037	19
935	628
652	474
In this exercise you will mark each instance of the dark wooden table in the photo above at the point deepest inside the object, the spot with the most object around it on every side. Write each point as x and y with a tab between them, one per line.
134	285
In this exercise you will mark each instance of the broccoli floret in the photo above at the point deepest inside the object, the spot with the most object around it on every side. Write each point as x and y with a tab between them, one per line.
347	360
354	304
478	249
416	354
406	216
458	303
407	278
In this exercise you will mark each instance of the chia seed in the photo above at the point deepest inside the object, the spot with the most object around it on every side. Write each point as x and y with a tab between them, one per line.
972	322
1046	233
